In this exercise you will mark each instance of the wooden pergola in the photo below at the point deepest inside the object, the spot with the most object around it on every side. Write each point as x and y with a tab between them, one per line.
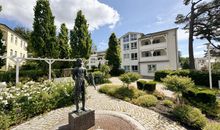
18	60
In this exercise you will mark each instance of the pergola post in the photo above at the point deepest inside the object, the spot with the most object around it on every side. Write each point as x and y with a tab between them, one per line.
17	61
50	62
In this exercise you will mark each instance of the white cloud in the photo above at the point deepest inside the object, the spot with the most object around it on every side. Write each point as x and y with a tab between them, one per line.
182	35
97	13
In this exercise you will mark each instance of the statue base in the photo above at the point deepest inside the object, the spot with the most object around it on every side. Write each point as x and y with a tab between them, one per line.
82	120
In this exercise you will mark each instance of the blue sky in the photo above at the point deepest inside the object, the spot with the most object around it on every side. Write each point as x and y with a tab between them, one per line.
107	16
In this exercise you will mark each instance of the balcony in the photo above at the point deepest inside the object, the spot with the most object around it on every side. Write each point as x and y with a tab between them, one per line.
154	55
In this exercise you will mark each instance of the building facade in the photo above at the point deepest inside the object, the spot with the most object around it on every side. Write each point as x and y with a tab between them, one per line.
96	59
148	53
15	45
203	63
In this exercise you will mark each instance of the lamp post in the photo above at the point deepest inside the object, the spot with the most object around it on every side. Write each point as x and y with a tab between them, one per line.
209	65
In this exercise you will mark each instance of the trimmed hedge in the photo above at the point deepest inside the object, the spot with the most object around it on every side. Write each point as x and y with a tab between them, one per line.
204	99
146	85
199	77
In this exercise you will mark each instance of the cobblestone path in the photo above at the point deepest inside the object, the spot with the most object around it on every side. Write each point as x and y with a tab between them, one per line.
148	118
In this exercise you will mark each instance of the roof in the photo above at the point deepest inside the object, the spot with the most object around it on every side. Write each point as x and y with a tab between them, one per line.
159	32
1	24
131	33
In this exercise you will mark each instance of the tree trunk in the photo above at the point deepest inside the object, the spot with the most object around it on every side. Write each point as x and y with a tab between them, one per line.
191	54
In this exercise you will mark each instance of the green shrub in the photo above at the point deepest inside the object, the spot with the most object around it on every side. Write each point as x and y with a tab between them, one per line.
23	101
178	84
129	77
105	69
190	116
162	74
100	78
146	100
168	103
204	99
149	86
117	72
159	95
120	92
199	77
212	126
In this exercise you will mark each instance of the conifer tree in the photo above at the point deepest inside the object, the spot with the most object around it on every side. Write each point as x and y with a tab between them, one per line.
43	37
113	53
64	47
80	38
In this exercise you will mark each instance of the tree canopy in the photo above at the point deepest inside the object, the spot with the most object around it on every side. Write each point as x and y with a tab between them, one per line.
80	39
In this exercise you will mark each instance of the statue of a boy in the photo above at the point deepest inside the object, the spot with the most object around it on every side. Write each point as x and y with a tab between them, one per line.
79	74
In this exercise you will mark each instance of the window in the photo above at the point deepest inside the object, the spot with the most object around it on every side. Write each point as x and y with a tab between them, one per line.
134	45
134	68
16	40
156	41
127	68
15	53
126	56
133	56
126	38
11	52
126	47
133	37
12	38
152	68
157	53
20	54
145	42
146	54
21	43
92	60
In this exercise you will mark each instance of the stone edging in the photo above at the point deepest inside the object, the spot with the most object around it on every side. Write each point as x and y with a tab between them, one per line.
123	116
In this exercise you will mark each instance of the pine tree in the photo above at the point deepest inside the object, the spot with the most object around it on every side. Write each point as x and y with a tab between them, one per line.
43	37
64	47
2	49
113	53
80	38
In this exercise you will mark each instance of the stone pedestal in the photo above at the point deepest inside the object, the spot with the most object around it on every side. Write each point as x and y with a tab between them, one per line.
82	120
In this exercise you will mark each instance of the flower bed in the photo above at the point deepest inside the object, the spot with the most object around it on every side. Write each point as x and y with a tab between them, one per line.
23	101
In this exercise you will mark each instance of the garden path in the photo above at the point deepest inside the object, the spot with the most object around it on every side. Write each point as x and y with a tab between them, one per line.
97	101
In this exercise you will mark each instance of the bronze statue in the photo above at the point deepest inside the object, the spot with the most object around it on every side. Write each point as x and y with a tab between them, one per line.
79	74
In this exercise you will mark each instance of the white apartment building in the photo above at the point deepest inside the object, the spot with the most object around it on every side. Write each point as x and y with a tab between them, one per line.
203	63
95	59
151	52
15	45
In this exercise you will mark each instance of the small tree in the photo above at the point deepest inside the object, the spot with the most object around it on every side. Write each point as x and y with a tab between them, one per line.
2	50
105	69
113	53
178	84
128	78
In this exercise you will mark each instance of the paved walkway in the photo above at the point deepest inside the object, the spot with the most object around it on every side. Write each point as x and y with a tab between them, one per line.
148	118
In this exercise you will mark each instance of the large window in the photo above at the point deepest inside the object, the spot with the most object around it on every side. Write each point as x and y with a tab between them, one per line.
127	68
126	38
152	68
92	60
12	38
126	46
134	45
134	68
133	56
126	56
16	40
11	52
15	53
133	37
145	42
146	54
